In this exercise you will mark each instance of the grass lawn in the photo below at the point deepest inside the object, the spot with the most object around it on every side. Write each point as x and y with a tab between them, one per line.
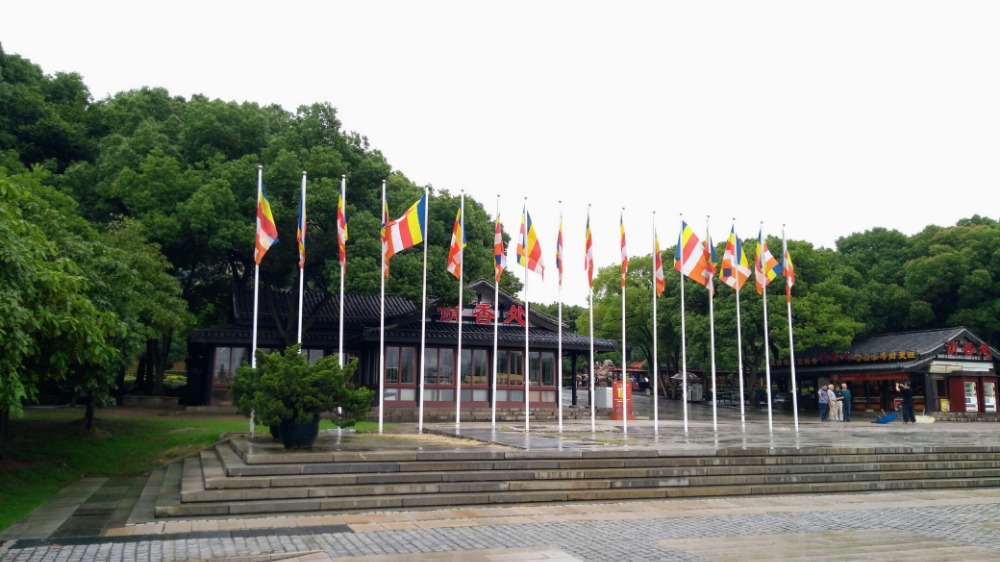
48	449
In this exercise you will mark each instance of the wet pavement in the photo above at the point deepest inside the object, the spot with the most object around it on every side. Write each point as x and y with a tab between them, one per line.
102	519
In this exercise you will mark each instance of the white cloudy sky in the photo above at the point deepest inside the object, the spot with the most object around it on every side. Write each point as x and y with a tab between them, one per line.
827	117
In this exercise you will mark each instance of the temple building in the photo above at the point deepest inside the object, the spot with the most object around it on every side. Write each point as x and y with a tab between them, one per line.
215	353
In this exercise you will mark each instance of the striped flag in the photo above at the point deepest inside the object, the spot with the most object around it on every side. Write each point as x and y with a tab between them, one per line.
342	231
624	251
788	271
735	267
661	283
765	266
709	263
588	260
385	243
529	251
406	231
559	251
690	258
455	251
499	256
267	233
300	229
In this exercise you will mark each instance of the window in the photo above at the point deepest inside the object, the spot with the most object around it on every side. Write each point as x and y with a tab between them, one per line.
548	368
502	370
533	367
516	368
475	369
227	360
400	365
439	367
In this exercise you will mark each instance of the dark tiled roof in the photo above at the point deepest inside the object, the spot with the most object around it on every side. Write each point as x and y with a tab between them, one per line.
358	309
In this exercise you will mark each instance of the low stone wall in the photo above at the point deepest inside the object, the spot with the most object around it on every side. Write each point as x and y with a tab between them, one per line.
152	402
963	417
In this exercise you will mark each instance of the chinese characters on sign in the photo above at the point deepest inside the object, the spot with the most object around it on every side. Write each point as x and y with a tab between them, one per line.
967	349
482	313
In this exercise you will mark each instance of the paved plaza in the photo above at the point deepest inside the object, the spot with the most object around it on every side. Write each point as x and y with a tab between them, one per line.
960	524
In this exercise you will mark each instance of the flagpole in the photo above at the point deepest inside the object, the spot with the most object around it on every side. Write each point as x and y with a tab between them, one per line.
767	351
625	382
791	339
559	386
496	327
423	317
684	369
656	366
711	327
461	278
343	269
592	370
527	355
381	331
739	329
302	266
256	287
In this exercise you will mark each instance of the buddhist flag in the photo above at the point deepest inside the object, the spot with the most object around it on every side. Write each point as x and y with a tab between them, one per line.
690	258
788	271
499	256
559	251
267	233
624	251
766	268
529	251
385	243
588	260
661	283
300	230
709	263
455	251
735	267
342	231
406	231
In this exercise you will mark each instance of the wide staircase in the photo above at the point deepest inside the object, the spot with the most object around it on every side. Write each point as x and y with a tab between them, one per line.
231	479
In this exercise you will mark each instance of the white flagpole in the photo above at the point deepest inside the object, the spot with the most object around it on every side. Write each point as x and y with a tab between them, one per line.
625	382
791	343
423	316
343	272
739	333
656	366
256	286
381	331
496	327
711	331
461	278
302	270
684	365
592	369
767	351
527	354
559	389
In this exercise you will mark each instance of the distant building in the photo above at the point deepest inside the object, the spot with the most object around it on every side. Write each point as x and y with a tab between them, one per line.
949	370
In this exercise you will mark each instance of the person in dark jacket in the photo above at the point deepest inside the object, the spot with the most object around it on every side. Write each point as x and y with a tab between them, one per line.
906	393
846	393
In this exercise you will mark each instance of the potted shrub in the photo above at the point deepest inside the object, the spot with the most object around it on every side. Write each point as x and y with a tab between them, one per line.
285	390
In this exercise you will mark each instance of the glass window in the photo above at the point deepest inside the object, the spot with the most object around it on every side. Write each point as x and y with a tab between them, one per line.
548	368
466	366
446	366
533	367
227	360
502	368
516	368
407	365
480	370
392	364
431	366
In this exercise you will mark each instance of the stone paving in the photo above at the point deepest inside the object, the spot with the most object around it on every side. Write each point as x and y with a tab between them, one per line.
961	524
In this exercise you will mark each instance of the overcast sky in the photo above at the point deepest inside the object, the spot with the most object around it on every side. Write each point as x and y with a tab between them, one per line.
828	117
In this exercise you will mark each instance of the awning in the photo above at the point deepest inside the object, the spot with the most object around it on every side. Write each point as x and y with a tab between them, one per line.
861	377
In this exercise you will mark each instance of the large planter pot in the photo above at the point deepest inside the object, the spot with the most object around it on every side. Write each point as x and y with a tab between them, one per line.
296	435
276	432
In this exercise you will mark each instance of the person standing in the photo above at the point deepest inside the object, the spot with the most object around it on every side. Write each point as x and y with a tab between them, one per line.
909	416
834	402
824	404
846	401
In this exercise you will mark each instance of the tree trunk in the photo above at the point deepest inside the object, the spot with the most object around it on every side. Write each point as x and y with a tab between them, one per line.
88	415
4	422
161	363
140	374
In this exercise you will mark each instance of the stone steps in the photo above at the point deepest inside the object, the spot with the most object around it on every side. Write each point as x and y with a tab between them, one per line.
230	480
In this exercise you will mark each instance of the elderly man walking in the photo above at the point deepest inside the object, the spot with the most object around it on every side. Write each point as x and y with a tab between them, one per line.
824	404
